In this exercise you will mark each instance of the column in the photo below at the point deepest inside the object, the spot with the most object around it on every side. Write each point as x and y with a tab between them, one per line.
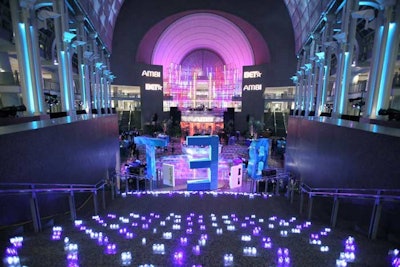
311	66
325	59
319	59
376	63
81	45
103	81
97	85
27	46
389	42
303	83
297	79
107	75
93	73
63	39
346	39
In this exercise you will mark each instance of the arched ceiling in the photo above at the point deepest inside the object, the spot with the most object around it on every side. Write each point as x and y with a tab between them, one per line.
240	32
234	39
304	15
206	31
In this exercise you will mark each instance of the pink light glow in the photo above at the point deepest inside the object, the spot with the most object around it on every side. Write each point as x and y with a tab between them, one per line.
203	30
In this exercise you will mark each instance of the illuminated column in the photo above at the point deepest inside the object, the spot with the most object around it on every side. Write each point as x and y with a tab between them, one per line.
316	74
92	82
320	94
374	71
194	88
302	86
98	78
310	81
103	81
346	39
297	80
324	58
384	56
27	46
108	80
94	79
308	87
210	91
82	64
319	59
63	40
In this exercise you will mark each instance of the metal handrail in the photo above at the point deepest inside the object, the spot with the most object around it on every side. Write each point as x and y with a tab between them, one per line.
50	187
275	130
352	192
376	194
35	188
284	122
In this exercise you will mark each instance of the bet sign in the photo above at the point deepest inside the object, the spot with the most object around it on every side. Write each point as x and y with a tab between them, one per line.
152	87
249	75
252	74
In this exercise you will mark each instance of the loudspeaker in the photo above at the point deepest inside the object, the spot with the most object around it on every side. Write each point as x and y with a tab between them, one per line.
229	115
268	172
229	119
265	186
175	115
58	114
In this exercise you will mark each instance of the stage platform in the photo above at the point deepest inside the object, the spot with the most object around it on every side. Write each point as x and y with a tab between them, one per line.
175	154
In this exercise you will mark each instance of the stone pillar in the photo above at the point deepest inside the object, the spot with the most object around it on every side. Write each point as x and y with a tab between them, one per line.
346	40
96	76
81	46
297	79
313	74
329	47
303	82
103	81
387	57
107	73
27	46
63	39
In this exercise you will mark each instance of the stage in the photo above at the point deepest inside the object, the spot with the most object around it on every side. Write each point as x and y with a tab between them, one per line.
178	155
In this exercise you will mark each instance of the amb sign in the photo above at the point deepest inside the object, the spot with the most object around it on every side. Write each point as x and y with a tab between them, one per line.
252	87
151	73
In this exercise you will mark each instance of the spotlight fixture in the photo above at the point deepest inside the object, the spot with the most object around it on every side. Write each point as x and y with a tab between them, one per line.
68	36
77	43
47	14
340	37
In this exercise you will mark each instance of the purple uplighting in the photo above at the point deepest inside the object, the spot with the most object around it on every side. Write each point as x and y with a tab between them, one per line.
110	249
174	244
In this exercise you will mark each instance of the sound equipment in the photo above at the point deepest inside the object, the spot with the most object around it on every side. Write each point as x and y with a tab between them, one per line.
175	115
265	186
268	172
229	117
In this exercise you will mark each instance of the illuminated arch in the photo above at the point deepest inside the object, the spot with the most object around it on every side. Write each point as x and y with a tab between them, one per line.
203	30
